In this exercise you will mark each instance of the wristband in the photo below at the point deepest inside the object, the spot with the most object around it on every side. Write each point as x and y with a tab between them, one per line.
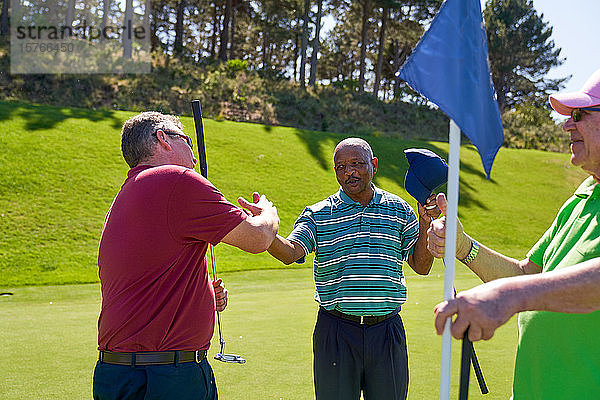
472	253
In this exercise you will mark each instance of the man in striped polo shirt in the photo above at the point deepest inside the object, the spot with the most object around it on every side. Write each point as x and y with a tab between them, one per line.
361	236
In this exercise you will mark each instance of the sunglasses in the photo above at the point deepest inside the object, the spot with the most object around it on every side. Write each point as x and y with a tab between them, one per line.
576	112
187	139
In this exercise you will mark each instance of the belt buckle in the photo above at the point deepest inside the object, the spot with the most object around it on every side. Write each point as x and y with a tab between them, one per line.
198	360
362	319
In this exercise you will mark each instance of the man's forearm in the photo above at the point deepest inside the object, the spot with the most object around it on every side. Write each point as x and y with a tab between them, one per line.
421	259
490	265
284	250
265	227
484	308
573	289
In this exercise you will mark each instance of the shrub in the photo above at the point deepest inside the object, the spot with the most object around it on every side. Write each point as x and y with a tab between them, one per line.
530	127
234	91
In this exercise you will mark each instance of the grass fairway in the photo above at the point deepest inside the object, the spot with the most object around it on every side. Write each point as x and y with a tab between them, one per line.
49	340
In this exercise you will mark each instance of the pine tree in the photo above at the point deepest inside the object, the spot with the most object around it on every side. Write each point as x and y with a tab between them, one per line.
521	53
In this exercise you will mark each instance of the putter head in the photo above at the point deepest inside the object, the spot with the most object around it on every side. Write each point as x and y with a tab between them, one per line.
230	358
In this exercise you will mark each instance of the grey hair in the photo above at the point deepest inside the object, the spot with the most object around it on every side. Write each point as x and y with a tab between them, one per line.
138	137
356	142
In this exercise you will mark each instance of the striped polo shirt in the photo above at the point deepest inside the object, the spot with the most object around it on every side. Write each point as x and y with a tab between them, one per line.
359	251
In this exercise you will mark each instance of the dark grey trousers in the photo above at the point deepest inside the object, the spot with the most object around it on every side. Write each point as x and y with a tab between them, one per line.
350	358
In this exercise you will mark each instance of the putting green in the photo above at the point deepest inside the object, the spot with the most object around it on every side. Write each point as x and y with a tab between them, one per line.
48	339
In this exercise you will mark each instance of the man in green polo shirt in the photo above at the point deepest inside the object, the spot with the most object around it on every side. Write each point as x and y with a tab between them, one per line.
556	289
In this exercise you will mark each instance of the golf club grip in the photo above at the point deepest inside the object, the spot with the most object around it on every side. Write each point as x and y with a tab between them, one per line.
197	111
465	367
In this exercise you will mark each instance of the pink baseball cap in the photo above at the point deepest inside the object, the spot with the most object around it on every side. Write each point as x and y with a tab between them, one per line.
588	96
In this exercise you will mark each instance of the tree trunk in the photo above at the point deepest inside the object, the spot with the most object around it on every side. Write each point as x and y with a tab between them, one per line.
297	52
70	16
304	44
178	45
316	44
500	93
232	29
128	20
380	55
213	42
265	45
225	32
104	22
146	20
155	41
363	45
4	18
397	79
52	13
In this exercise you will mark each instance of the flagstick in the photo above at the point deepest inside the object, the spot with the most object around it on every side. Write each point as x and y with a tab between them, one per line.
451	215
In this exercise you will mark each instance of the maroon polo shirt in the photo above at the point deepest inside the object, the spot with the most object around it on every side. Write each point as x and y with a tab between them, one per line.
156	291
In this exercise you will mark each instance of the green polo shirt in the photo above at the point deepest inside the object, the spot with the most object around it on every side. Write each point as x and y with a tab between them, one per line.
559	354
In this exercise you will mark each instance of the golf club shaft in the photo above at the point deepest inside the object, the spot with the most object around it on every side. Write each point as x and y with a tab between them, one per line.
197	111
465	367
475	361
214	271
476	367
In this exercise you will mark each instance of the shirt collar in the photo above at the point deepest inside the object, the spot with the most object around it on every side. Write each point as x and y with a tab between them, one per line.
377	197
137	169
587	188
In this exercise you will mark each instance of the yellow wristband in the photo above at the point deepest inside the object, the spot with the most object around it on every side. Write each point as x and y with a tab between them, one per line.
472	253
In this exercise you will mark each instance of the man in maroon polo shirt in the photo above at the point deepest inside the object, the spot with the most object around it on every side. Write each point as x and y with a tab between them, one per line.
158	303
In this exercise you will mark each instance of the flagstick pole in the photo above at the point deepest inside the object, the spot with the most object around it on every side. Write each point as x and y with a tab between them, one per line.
451	216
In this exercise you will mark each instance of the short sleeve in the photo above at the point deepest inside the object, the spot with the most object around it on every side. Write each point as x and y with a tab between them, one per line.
410	232
198	211
305	232
536	254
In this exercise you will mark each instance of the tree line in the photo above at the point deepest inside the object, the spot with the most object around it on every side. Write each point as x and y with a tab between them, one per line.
358	45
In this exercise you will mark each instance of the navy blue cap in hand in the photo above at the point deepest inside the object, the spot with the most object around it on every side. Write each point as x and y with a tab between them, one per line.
426	172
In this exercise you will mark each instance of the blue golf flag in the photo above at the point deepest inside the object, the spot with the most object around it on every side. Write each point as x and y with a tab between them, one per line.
450	67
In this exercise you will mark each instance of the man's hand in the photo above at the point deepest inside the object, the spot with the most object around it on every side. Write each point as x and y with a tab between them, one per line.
436	234
256	233
482	309
220	295
430	210
260	206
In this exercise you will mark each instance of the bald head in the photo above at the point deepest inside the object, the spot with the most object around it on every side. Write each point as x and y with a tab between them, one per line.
356	143
354	167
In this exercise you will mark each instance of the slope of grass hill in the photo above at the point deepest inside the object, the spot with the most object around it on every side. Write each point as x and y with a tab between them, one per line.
60	168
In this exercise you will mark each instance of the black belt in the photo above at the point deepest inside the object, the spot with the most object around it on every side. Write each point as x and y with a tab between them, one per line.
152	357
362	319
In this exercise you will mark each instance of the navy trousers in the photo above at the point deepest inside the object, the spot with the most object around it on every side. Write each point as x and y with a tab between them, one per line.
350	358
186	381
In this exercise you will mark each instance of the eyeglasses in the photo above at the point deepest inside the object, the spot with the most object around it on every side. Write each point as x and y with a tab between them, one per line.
576	112
354	165
187	139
